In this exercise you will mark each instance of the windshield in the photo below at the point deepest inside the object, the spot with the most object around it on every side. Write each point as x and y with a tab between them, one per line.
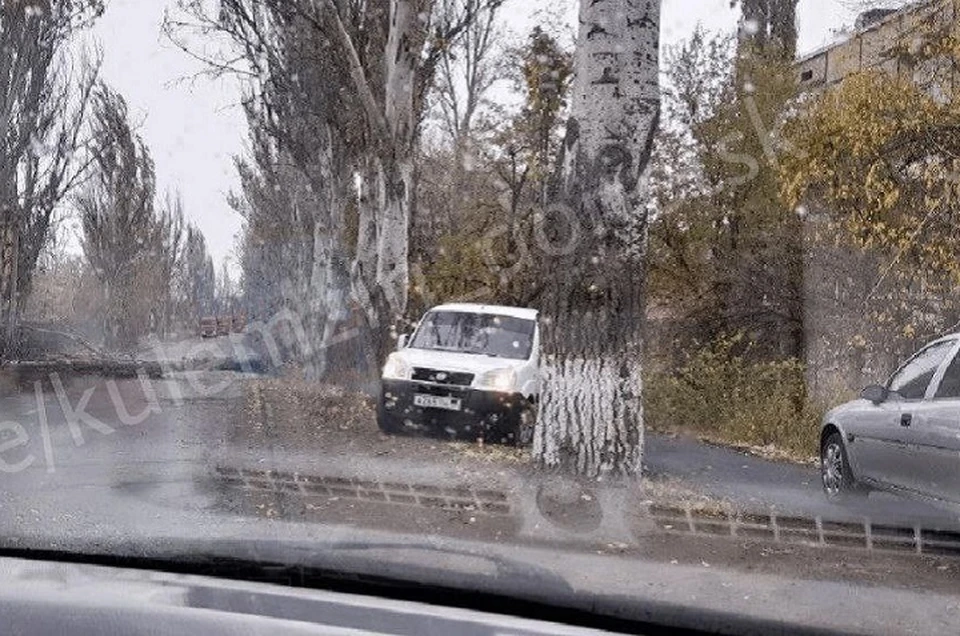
486	334
576	297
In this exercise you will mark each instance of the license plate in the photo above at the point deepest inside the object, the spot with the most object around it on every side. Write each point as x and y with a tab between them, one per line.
437	402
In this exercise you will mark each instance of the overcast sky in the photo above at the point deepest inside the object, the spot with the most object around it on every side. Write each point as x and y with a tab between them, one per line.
194	128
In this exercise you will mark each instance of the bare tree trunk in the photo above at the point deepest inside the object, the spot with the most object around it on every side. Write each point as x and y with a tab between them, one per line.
10	269
328	289
393	239
364	269
381	268
396	169
376	62
591	413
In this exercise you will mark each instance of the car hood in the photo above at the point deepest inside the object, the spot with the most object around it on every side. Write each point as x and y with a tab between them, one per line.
52	596
450	361
223	586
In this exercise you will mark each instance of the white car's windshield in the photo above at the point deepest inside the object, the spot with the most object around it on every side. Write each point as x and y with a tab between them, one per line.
486	334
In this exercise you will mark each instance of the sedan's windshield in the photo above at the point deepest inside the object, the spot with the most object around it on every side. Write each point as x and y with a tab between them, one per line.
486	334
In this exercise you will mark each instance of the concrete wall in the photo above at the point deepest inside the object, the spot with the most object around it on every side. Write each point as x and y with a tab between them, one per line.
875	47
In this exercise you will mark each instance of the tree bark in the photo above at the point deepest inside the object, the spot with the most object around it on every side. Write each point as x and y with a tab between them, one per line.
381	268
594	235
328	287
10	286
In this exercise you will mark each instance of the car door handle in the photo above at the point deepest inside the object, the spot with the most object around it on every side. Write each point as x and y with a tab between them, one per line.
906	419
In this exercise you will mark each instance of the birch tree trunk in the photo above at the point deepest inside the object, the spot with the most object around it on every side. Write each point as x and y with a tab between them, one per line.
381	267
328	288
9	281
591	415
368	66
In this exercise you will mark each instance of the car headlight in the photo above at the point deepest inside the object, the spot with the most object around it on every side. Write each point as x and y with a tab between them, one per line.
499	380
396	369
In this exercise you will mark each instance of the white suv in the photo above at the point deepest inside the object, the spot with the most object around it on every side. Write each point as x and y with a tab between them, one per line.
470	371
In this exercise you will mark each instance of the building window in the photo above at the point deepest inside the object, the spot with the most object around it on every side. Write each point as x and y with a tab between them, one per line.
806	76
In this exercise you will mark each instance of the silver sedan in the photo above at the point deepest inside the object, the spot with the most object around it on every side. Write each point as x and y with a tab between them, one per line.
903	436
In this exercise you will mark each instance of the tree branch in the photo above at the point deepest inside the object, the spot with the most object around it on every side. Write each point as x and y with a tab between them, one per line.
374	110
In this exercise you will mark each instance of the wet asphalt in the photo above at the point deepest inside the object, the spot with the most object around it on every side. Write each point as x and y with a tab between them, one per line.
760	485
77	469
100	459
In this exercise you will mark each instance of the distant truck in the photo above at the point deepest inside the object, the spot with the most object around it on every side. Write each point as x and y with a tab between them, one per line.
213	326
208	327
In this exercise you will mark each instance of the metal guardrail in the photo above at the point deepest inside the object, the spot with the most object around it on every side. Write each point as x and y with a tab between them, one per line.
816	531
784	529
488	501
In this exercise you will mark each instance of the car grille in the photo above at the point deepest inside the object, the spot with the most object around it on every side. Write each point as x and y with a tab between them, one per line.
442	377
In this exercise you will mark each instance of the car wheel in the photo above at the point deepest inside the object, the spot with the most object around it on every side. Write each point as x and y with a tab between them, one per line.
386	422
527	426
835	472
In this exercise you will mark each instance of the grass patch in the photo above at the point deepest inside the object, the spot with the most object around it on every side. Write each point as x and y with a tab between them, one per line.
727	398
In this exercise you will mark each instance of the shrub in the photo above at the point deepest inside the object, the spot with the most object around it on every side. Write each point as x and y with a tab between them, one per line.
721	393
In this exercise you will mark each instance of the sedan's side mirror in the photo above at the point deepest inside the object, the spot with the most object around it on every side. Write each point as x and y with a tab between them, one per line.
402	341
875	393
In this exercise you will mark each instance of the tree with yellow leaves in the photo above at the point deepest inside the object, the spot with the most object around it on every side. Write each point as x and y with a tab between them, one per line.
876	158
885	157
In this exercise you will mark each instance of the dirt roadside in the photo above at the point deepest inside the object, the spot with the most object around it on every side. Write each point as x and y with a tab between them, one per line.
314	454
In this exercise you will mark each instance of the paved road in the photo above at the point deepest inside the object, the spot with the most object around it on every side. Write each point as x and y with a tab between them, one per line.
52	472
77	464
750	482
758	484
88	459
